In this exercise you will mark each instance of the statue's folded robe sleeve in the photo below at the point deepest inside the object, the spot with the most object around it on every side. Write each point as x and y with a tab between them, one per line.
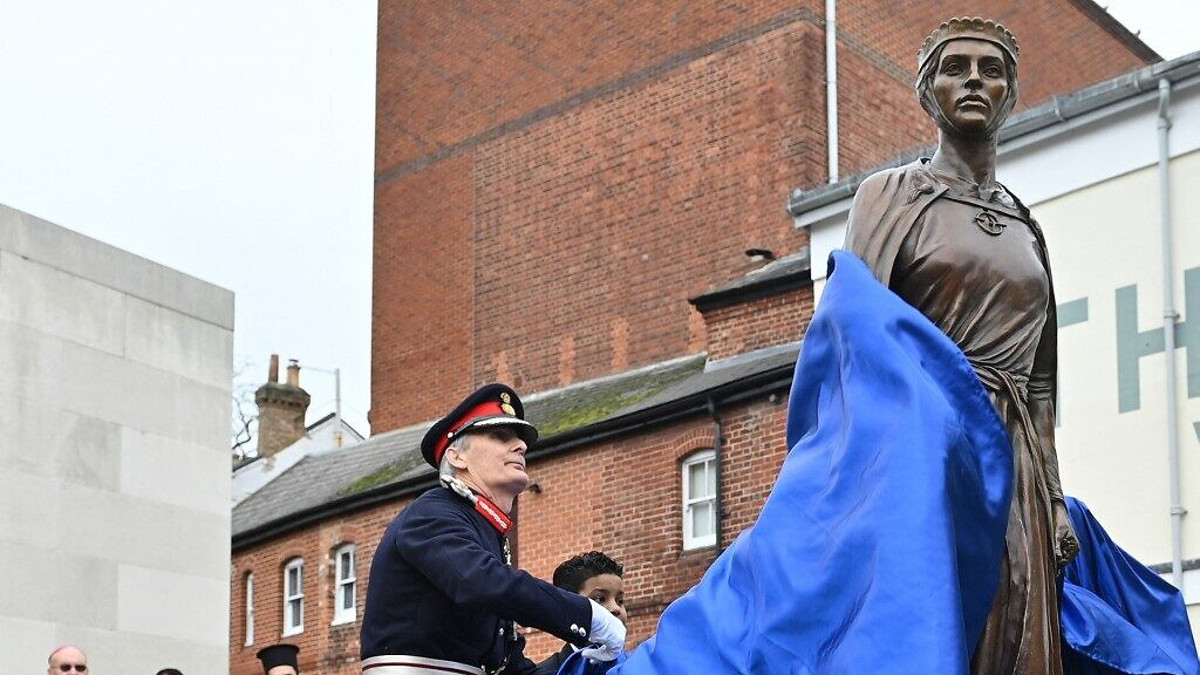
443	545
885	208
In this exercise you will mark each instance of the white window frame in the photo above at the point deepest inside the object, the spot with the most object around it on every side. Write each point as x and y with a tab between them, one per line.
293	599
691	540
344	582
249	585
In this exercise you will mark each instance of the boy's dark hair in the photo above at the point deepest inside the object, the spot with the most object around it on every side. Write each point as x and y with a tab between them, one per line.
574	573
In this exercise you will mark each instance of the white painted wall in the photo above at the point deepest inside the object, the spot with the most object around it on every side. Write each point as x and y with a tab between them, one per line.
1114	460
114	466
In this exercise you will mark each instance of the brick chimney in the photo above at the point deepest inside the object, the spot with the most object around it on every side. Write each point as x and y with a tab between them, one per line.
281	409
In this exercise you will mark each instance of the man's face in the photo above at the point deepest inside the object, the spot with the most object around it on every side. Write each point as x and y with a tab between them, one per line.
970	85
495	459
282	670
608	590
67	660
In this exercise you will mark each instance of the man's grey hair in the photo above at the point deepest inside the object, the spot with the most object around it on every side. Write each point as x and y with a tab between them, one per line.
459	444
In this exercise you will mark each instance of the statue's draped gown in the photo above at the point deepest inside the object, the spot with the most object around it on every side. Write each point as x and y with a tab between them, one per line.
973	262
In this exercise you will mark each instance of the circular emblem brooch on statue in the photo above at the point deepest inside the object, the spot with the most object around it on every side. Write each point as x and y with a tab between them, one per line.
987	221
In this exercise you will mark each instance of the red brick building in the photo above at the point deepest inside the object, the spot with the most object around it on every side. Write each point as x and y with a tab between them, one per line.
624	155
564	196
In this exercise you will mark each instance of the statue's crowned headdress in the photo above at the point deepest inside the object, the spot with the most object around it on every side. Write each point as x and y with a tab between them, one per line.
964	28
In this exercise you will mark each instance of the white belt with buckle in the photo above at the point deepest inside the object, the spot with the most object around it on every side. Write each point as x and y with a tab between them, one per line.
415	665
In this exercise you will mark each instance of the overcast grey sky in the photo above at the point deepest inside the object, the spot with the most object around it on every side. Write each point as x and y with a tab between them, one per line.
233	140
229	139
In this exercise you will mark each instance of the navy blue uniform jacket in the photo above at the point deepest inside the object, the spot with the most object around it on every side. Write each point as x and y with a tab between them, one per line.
439	588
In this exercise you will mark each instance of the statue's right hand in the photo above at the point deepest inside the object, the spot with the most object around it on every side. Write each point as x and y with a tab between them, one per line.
1066	545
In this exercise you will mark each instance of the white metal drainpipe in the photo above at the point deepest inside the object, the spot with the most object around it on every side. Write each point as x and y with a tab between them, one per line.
1170	319
831	97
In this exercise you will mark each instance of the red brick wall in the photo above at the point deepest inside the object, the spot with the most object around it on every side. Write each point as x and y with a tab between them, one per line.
764	322
594	164
622	497
623	202
324	649
423	292
449	73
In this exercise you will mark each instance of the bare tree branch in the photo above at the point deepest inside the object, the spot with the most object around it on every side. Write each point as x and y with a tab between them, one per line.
244	421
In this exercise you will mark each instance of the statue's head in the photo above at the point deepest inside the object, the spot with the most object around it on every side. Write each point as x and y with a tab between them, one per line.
967	76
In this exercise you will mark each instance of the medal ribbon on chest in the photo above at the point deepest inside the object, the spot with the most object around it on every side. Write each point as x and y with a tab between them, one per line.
492	513
483	506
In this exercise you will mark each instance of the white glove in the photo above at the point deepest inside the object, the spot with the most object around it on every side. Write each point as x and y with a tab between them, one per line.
607	634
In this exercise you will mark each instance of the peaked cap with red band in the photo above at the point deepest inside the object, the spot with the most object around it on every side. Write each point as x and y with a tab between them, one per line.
492	405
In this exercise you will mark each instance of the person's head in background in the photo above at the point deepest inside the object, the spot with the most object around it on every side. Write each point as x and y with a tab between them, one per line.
67	659
595	576
280	659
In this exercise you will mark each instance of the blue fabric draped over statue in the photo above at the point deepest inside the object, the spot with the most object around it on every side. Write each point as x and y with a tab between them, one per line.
878	549
1118	616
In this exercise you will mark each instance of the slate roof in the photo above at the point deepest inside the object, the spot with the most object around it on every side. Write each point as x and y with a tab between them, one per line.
769	364
390	465
558	411
340	475
328	475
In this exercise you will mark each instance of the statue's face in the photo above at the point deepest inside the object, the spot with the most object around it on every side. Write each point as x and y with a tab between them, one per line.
970	85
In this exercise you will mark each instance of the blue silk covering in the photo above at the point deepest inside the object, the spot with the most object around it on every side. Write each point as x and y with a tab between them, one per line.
1118	616
576	664
878	549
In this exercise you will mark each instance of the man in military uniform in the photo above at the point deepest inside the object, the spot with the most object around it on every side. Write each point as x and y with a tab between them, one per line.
442	596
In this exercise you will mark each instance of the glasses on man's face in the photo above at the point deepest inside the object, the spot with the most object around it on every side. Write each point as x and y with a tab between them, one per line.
66	667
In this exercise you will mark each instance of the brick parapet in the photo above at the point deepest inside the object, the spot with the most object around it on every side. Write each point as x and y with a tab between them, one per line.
763	322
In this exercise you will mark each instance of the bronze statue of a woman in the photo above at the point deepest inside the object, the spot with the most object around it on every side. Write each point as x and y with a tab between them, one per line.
961	248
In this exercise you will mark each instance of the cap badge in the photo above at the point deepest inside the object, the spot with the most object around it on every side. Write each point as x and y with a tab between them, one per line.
506	404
